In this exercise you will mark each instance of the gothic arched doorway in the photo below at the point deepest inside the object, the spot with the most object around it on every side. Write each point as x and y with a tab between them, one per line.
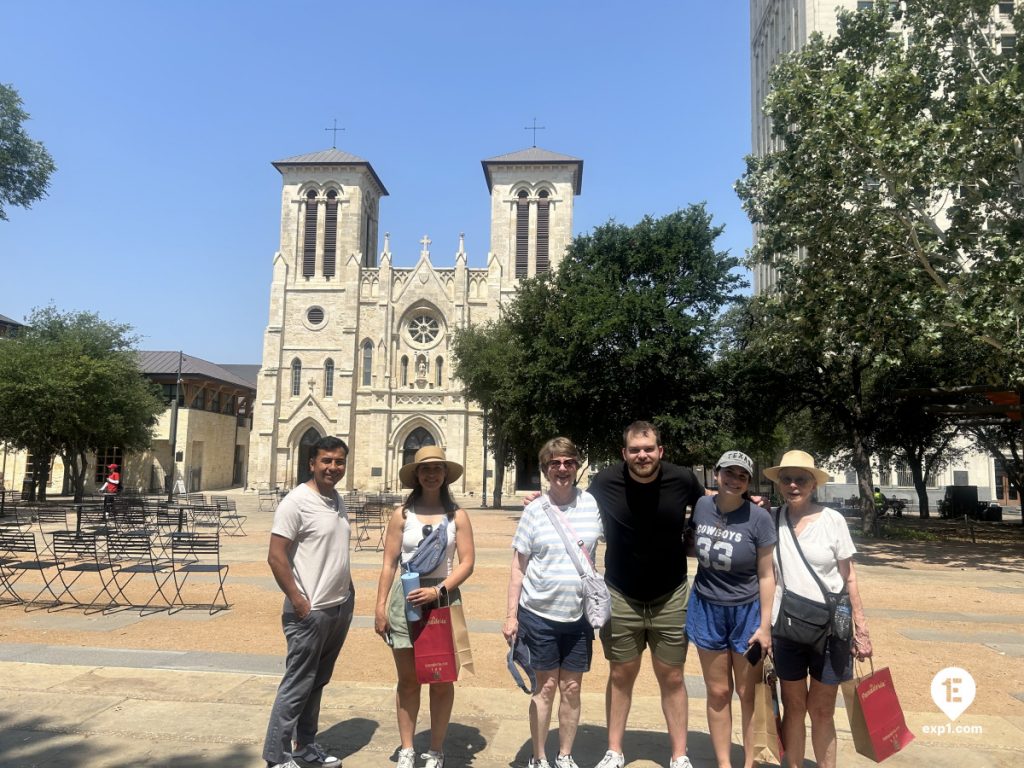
418	438
309	438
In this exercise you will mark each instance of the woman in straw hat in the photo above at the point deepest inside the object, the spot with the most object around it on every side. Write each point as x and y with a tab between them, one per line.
729	613
810	679
429	504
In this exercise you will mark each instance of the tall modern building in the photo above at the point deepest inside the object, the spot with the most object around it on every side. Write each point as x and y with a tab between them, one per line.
778	27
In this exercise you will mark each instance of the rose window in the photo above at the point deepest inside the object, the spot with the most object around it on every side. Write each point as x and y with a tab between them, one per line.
423	329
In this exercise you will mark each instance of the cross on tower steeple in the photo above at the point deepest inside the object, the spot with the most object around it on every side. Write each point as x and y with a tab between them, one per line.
533	128
426	243
334	135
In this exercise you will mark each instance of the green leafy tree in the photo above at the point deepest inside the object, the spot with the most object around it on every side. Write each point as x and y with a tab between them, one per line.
623	330
891	207
70	384
25	165
486	358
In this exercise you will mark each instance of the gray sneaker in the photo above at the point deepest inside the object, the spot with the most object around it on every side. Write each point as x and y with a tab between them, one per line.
680	762
612	759
286	764
407	758
565	761
316	755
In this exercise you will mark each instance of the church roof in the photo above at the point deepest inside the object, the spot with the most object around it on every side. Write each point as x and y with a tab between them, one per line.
329	157
5	320
166	364
535	155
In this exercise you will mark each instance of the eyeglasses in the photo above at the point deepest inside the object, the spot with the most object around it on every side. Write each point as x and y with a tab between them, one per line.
560	463
798	480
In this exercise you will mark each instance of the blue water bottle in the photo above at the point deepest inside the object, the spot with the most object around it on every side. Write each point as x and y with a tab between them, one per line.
411	581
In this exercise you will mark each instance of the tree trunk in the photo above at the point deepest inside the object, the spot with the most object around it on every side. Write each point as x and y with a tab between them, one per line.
922	489
499	470
865	482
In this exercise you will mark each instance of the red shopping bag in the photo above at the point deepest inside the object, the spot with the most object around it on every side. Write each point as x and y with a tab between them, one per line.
876	717
433	647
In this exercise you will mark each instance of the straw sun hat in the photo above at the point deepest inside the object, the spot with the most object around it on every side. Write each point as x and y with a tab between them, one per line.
797	460
428	454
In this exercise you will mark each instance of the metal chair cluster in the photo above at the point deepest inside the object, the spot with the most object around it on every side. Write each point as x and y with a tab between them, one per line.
369	515
116	554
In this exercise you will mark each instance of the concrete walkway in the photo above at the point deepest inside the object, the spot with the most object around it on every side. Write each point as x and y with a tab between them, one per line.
98	706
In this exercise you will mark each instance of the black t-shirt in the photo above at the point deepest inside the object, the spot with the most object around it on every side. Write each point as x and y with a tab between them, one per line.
643	528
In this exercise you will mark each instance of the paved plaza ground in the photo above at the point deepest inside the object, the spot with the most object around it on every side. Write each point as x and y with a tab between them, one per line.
194	690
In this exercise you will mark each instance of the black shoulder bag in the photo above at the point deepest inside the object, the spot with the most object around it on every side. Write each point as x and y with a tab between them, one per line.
801	619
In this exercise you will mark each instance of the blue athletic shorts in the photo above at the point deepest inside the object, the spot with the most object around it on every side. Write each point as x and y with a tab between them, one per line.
716	627
567	645
794	661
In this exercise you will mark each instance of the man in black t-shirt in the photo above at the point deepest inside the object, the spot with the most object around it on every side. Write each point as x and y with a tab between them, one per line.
643	505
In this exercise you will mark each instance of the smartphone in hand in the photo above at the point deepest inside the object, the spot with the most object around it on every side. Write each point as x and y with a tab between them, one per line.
753	654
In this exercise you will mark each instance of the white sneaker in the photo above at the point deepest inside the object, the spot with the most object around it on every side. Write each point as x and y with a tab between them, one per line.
434	759
613	759
286	764
680	762
535	763
407	758
565	761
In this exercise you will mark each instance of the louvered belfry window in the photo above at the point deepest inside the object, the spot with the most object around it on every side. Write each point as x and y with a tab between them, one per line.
296	376
329	378
330	233
522	235
543	218
309	237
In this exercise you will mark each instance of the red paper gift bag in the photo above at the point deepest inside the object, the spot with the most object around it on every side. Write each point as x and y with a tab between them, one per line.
876	717
433	647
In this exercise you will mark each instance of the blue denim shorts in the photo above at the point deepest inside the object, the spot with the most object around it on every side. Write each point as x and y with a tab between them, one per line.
716	627
567	645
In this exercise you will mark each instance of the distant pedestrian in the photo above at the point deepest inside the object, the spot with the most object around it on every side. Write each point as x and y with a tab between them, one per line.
113	482
309	557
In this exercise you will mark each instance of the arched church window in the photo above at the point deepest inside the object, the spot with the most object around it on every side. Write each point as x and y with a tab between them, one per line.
367	363
329	378
438	366
309	236
306	451
418	438
405	370
423	329
296	376
543	219
522	233
330	233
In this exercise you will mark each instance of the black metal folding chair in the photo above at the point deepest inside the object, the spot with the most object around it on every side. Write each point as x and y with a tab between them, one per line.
131	554
18	556
231	520
370	525
197	553
78	554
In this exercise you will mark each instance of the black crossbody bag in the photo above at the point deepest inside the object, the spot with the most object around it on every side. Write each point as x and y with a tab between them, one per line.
806	621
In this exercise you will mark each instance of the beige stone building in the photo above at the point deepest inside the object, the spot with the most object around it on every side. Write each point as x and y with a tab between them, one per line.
359	348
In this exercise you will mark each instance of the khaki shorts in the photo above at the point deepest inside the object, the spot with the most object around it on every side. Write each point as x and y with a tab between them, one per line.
660	624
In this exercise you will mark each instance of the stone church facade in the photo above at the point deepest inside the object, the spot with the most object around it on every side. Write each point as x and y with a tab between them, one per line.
359	348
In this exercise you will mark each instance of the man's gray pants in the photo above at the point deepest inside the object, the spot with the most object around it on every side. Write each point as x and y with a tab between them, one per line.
313	646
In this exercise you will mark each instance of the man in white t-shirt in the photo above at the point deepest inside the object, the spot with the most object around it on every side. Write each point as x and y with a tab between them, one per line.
309	545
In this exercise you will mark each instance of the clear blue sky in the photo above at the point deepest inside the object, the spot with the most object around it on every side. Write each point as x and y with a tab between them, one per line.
163	119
